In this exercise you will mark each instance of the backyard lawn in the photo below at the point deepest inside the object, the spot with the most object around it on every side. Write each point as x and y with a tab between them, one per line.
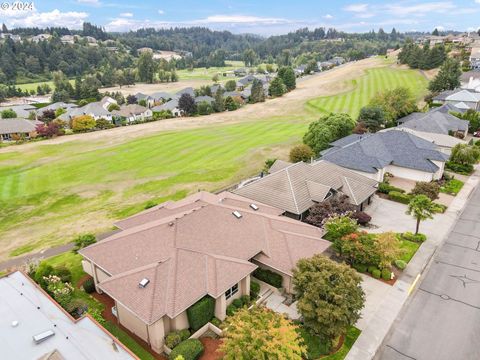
409	248
364	88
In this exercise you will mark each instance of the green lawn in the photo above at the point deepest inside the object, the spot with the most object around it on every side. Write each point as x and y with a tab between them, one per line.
452	187
317	350
33	85
409	248
50	193
365	87
128	341
208	73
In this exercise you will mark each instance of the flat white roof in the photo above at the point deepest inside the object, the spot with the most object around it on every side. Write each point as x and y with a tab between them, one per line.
23	302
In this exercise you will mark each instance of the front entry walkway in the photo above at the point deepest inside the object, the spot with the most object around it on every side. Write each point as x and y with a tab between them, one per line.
271	298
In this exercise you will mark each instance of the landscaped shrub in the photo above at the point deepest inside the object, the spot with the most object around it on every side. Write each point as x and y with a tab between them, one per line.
376	273
231	309
466	169
385	188
63	273
89	286
237	303
201	312
439	208
399	197
216	322
245	300
83	241
371	269
269	277
429	189
190	349
339	226
414	237
360	268
452	187
400	264
386	274
176	337
362	217
254	289
43	271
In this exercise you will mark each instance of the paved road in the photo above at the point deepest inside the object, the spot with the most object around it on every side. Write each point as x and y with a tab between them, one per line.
442	320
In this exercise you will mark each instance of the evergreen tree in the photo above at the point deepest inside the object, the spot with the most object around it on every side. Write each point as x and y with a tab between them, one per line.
219	103
277	87
287	75
448	78
146	67
257	94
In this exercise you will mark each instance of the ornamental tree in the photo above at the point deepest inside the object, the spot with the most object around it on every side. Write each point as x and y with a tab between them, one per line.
329	295
260	333
301	152
421	208
465	154
83	123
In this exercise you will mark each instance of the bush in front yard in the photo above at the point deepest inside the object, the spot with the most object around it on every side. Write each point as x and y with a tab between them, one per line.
430	189
84	241
245	300
371	269
231	309
400	264
414	237
176	337
459	168
254	289
63	273
385	188
360	268
386	274
376	273
362	217
269	277
237	303
399	197
190	349
89	286
201	312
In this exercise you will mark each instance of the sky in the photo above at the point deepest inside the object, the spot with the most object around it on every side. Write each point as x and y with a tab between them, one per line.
263	17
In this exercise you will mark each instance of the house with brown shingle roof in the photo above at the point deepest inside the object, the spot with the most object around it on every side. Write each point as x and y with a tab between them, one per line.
295	188
168	257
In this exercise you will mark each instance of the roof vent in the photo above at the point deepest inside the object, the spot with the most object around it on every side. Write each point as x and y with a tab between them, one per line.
14	323
254	207
237	214
171	223
143	283
43	336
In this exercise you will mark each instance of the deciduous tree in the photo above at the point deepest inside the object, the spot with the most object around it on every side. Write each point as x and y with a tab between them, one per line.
421	208
301	152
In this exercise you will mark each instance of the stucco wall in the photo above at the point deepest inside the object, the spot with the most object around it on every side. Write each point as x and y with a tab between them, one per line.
179	322
131	322
441	165
410	174
156	335
378	176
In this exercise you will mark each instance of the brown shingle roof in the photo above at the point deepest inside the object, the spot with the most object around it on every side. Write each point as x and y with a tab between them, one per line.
194	247
296	187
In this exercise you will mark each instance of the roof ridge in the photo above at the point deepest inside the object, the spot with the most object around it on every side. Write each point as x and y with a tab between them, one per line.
291	189
350	189
154	292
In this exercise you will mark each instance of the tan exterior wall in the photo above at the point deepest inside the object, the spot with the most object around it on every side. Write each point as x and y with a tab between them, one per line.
221	307
132	322
87	267
411	174
286	279
156	335
441	165
179	322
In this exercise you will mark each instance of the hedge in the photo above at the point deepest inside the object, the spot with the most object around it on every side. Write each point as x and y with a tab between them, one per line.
269	277
376	273
201	312
190	349
385	188
254	289
360	268
386	274
89	286
176	337
459	168
414	237
400	264
399	197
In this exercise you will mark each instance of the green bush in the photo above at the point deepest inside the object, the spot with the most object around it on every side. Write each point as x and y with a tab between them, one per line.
385	188
376	274
386	274
452	187
400	264
360	267
254	289
83	241
245	300
89	286
237	303
414	237
176	337
459	168
269	277
201	312
439	208
399	197
231	309
63	273
216	322
190	349
371	269
43	270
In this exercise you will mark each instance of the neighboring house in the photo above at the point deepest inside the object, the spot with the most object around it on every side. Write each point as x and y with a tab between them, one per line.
22	128
207	99
295	188
325	65
215	87
149	100
160	97
35	327
300	70
91	40
171	105
22	111
232	94
240	72
132	113
145	50
475	58
470	80
397	152
168	257
13	37
97	110
461	98
40	37
245	81
245	94
188	90
437	122
56	106
67	39
338	60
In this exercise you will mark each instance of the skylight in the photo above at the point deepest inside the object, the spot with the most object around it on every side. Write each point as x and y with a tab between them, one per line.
254	206
143	283
237	214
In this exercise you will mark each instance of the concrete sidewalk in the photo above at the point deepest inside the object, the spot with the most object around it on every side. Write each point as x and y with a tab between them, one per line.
380	323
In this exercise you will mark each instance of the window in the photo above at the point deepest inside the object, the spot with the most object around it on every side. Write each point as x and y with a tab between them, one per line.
232	291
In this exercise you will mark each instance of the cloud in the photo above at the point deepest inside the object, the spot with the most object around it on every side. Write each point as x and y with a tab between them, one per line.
328	17
126	14
420	9
89	2
239	19
439	28
161	12
357	8
70	19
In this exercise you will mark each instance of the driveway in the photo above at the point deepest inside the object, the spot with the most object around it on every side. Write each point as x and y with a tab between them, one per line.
375	293
388	215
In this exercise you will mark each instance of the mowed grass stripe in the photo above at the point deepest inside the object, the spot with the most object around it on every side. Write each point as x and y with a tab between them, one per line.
367	86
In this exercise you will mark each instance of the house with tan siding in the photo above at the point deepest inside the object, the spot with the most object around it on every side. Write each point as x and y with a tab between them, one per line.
168	257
